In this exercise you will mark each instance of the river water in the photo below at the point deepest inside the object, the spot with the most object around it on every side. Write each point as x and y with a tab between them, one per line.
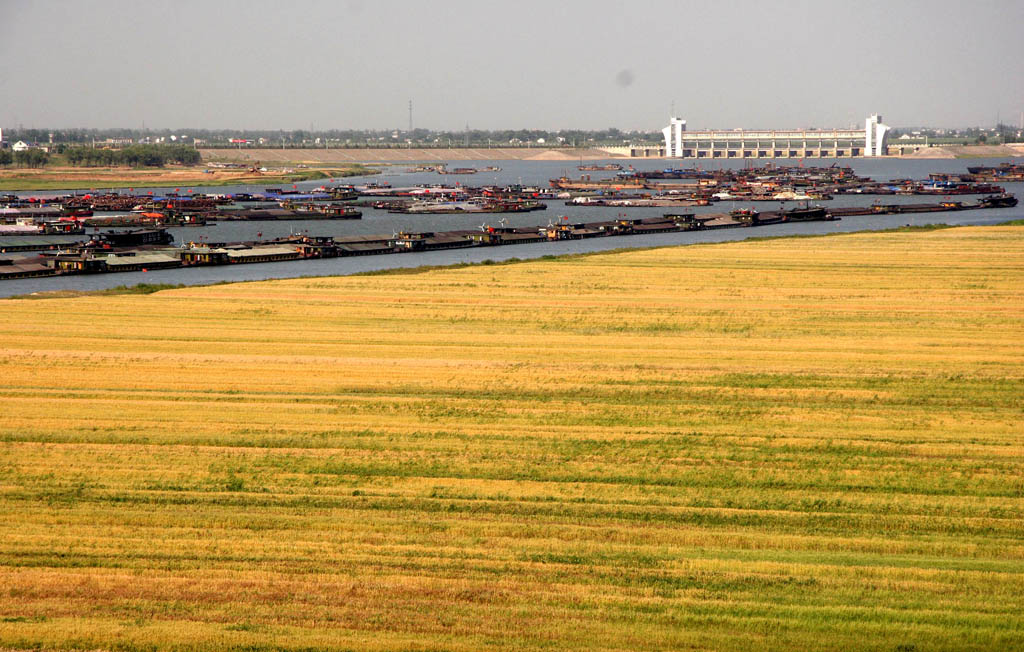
535	173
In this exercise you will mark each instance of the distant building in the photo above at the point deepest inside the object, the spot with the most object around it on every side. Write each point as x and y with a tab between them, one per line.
788	143
118	142
24	145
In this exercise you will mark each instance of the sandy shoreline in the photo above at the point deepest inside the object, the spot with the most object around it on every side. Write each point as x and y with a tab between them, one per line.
969	151
412	155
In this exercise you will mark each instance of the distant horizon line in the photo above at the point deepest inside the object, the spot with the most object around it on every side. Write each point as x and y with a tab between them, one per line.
464	130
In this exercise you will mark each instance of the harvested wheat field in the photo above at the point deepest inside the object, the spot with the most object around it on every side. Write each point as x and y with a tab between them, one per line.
805	443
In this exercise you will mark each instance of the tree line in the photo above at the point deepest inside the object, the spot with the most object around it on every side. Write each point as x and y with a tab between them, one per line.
136	156
30	158
279	137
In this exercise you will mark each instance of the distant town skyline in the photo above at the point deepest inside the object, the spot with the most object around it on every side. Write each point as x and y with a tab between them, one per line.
569	65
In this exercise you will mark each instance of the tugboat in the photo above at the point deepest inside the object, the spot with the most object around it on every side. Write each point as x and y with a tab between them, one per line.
806	214
746	215
1004	200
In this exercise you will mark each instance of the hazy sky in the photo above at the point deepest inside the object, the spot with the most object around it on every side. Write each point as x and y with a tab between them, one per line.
290	64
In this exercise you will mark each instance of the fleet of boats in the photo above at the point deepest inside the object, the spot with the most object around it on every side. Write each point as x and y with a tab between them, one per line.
35	224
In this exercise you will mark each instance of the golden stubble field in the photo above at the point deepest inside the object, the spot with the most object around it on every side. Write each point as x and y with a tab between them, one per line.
789	444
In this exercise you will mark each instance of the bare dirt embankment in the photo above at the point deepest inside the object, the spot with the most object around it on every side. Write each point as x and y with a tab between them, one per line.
63	178
142	177
417	155
969	151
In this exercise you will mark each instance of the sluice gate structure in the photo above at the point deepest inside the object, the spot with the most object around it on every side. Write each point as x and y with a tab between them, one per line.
872	140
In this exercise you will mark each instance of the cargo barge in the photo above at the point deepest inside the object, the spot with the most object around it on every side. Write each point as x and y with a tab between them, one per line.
586	183
32	228
472	206
310	212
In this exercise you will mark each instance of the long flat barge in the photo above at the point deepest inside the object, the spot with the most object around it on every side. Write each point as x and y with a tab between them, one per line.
446	208
260	214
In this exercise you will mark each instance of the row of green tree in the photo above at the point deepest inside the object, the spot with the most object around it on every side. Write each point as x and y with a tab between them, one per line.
298	137
136	156
30	158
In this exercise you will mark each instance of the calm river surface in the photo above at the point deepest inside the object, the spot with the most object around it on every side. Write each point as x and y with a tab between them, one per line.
534	173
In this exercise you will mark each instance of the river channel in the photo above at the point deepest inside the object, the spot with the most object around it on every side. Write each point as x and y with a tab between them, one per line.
535	173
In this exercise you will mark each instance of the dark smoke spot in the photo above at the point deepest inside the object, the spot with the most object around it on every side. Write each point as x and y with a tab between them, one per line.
624	78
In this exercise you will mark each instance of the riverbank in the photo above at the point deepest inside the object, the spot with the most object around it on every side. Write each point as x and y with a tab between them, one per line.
66	177
402	155
559	454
